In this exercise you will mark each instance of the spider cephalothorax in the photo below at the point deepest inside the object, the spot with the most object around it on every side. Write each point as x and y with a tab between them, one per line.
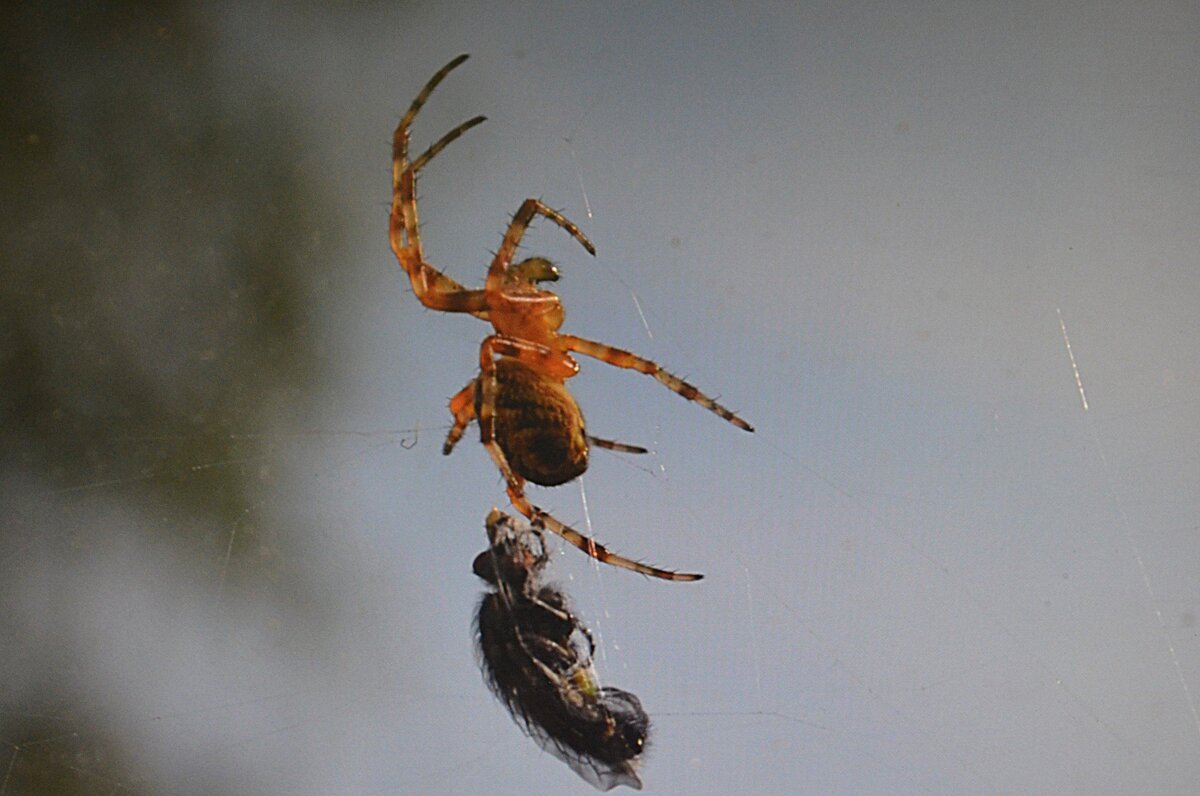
524	364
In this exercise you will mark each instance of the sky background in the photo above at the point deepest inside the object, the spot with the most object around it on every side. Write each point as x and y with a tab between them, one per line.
944	258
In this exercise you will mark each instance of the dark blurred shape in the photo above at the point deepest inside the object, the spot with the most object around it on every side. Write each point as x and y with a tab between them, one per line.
537	658
161	224
158	226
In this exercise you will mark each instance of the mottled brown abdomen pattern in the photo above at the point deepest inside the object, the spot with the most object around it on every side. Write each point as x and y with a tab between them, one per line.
539	426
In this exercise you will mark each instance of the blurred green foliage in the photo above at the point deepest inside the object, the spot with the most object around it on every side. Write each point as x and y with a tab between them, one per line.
158	235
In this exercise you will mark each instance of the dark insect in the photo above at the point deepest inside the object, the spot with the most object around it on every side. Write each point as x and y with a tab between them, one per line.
536	657
525	354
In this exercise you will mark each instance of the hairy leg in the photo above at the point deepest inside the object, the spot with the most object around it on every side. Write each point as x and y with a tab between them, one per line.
516	230
433	288
626	359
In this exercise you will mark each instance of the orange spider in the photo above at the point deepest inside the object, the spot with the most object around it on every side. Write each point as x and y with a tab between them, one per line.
528	421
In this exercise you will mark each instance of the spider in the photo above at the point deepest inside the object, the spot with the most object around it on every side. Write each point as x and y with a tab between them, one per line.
536	657
529	423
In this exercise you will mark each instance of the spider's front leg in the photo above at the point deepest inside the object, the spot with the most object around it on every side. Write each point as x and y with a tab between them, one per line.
434	289
515	484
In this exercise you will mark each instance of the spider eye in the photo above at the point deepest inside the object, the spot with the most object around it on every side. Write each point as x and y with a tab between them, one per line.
535	269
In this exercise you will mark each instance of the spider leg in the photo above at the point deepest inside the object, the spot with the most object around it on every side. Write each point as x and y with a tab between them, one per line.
625	359
445	141
516	485
462	406
433	288
516	230
400	163
594	548
613	445
423	97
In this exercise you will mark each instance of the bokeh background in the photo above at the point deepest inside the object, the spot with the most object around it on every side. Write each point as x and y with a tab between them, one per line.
944	257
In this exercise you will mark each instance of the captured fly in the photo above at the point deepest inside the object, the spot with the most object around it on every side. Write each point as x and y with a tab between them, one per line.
536	656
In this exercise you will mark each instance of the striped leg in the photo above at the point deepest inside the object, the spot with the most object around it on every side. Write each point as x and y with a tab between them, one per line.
625	359
516	230
592	547
613	445
433	288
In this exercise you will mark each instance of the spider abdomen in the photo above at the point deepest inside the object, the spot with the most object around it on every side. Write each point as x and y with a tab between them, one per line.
538	424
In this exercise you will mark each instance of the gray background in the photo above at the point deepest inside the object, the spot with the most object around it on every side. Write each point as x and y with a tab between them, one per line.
234	560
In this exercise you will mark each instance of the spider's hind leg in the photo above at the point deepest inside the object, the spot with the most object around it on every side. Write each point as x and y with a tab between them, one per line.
594	548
